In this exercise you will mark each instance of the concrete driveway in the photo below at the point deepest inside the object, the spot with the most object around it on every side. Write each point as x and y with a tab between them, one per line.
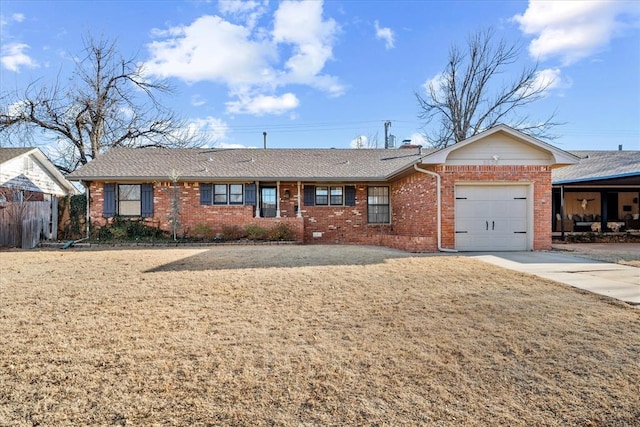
617	281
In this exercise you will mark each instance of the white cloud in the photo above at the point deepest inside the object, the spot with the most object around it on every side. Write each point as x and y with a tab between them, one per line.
237	7
13	57
263	104
215	129
211	49
247	11
551	79
301	25
16	17
386	34
437	85
197	101
251	61
573	30
230	145
418	139
16	108
359	142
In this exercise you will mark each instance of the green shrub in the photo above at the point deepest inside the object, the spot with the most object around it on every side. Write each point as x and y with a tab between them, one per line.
255	232
282	232
103	233
129	229
119	233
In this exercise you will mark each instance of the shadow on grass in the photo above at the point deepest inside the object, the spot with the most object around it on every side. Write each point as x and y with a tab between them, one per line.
286	256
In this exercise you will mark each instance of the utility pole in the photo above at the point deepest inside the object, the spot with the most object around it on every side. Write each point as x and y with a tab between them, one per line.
387	125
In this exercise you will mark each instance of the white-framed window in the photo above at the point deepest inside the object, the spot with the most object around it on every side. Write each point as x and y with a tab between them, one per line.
329	195
222	194
336	196
129	200
378	208
322	196
236	194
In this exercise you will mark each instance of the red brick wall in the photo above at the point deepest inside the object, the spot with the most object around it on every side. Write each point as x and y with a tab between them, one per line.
191	213
413	209
412	228
538	176
339	224
414	212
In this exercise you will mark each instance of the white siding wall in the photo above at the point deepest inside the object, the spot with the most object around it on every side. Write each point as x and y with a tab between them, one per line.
30	175
500	149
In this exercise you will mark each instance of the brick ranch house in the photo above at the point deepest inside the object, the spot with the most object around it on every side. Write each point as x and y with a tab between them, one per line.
489	192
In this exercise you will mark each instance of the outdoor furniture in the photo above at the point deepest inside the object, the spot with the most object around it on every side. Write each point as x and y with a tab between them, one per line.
566	225
585	222
632	222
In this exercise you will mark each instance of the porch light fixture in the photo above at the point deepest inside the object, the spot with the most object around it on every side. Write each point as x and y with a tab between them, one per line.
287	193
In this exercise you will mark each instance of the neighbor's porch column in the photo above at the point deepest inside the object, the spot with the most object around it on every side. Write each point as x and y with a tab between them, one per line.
299	213
277	199
562	212
257	199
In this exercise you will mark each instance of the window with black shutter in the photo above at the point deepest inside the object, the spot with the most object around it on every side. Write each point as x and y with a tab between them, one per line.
309	195
109	204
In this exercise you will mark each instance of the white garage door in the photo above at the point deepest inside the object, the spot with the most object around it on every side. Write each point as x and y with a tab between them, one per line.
492	218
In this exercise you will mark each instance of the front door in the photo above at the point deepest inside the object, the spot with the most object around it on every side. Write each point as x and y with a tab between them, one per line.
268	202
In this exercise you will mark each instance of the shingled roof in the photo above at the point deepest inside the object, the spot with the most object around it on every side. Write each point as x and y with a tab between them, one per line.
7	154
248	164
598	166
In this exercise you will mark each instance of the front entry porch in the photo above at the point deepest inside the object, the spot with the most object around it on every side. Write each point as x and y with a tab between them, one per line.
595	209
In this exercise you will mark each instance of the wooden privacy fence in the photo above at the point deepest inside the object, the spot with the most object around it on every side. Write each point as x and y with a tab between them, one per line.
25	224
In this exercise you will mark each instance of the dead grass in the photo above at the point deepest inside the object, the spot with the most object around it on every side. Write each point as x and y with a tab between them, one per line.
305	335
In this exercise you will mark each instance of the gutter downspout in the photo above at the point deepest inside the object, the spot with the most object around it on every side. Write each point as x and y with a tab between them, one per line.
439	229
88	218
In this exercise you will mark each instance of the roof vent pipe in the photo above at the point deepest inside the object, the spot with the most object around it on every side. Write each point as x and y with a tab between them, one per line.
264	135
620	147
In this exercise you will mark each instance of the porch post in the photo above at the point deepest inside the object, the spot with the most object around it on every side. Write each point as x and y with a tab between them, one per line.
604	210
277	199
299	213
562	212
257	199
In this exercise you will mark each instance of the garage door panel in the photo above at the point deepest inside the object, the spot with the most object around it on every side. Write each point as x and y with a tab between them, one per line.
491	218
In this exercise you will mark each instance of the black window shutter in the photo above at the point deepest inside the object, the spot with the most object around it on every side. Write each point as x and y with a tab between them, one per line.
350	195
309	195
146	195
109	206
206	194
250	194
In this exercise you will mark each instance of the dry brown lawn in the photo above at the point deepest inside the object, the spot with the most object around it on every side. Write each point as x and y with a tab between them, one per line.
305	335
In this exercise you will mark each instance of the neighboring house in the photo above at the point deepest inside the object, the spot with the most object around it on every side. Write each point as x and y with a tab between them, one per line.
30	186
599	193
489	192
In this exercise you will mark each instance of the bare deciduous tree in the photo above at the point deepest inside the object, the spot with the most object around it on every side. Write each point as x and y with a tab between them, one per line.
467	98
109	102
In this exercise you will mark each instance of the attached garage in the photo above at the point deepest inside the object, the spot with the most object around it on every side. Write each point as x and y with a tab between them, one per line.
495	191
492	217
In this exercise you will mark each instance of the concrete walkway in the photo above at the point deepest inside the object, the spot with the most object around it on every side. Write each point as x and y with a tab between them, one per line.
617	281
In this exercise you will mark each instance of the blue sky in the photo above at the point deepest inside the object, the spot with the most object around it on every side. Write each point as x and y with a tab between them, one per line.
321	74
